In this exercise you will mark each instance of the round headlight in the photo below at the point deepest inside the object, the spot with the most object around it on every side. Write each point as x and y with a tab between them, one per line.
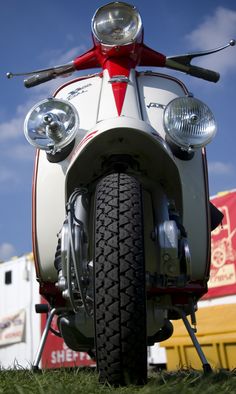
51	125
189	123
116	24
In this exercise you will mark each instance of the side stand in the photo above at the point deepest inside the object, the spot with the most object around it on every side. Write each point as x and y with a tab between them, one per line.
52	313
205	365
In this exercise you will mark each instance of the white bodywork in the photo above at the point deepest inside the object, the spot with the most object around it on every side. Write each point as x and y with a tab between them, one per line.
137	131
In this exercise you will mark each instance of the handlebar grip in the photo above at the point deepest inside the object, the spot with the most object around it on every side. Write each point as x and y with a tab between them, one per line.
203	73
37	79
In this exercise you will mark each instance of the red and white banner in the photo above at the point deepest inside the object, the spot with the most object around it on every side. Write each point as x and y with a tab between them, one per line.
12	328
223	249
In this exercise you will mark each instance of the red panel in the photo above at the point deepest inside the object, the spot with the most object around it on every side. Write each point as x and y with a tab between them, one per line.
119	61
223	254
117	67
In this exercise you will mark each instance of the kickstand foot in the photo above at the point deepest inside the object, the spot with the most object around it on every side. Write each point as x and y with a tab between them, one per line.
207	369
36	369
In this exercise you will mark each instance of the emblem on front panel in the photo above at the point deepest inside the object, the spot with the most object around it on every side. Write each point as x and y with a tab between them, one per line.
156	105
76	92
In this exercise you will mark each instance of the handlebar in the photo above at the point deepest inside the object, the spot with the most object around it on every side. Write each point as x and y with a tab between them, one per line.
89	60
204	73
40	76
37	79
183	63
194	71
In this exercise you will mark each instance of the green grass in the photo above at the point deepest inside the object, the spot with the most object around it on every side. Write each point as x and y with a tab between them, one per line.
86	381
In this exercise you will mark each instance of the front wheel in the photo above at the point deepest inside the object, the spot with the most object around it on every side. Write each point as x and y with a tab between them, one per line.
119	281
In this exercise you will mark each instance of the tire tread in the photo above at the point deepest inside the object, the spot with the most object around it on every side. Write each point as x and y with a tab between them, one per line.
120	306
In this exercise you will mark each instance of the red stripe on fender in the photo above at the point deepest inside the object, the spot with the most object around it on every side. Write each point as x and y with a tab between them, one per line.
82	142
86	138
119	67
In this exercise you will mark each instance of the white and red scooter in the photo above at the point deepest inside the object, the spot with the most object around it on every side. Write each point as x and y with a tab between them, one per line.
121	213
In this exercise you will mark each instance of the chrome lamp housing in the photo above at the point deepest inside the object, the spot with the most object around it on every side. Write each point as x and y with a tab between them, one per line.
117	24
189	123
51	125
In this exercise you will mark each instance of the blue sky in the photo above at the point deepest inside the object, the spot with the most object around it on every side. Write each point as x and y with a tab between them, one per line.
50	32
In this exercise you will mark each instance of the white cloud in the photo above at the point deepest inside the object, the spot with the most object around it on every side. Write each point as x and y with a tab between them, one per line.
216	30
7	251
14	127
65	57
220	168
11	129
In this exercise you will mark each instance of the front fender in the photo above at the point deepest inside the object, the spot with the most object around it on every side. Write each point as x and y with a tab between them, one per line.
126	136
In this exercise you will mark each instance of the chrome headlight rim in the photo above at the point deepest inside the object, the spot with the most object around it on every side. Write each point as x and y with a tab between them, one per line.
98	36
187	137
41	140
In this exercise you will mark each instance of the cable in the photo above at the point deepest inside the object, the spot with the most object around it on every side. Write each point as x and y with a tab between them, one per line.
76	260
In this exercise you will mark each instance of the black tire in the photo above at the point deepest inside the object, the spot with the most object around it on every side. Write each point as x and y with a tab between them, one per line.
119	276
